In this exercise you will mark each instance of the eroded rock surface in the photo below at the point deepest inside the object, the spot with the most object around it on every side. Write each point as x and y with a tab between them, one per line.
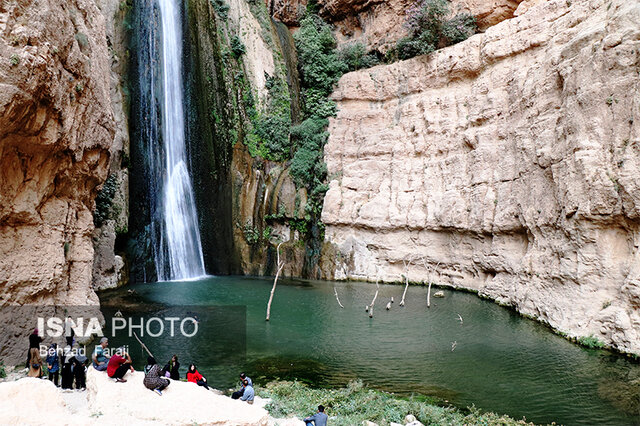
380	24
507	164
56	131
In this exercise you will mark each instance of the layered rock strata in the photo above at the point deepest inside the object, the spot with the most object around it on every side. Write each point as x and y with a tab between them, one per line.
380	24
56	132
506	164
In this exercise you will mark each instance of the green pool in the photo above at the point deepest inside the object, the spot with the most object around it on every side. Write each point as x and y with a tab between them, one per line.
494	358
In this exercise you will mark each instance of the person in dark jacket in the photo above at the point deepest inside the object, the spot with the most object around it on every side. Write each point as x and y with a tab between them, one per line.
34	342
172	367
318	419
53	363
152	379
195	377
80	372
66	372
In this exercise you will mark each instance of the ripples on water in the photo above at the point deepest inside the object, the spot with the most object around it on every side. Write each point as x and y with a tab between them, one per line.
501	362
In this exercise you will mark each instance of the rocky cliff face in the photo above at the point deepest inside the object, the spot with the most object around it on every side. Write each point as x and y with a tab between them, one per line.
380	24
108	267
56	132
506	164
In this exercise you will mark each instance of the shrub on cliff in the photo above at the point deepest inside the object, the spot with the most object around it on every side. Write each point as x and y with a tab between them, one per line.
318	61
104	200
307	167
428	29
355	57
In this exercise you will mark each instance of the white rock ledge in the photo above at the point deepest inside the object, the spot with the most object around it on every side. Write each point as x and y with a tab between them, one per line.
31	401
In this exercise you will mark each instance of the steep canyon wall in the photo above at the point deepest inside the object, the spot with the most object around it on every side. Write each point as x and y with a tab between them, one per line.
57	131
506	164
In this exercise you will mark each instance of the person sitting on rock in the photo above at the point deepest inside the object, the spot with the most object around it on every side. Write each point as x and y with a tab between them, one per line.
100	360
237	394
194	376
53	364
118	365
318	419
35	363
152	376
172	368
248	394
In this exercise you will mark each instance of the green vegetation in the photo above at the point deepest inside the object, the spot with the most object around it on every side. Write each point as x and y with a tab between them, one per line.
428	29
591	342
271	127
253	236
237	47
356	403
14	60
221	8
104	200
355	56
3	371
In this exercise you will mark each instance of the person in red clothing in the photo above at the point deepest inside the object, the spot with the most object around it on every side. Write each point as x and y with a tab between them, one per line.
195	377
119	364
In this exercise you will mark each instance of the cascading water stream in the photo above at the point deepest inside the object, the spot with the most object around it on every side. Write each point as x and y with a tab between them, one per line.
174	231
181	223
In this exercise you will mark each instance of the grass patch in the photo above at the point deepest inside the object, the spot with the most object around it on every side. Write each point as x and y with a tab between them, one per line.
356	403
591	342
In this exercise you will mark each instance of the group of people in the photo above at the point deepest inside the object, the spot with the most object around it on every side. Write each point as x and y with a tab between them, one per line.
156	378
68	365
72	366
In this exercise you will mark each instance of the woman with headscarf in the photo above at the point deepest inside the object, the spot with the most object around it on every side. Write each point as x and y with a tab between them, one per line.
66	373
172	368
34	342
53	363
152	379
194	376
35	363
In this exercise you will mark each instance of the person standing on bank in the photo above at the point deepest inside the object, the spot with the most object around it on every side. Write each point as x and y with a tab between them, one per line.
34	342
118	365
35	363
53	363
318	419
237	394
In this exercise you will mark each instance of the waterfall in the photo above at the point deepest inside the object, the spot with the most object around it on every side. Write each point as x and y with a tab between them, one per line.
174	231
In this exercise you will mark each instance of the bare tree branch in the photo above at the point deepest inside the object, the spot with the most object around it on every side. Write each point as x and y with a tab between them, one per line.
275	280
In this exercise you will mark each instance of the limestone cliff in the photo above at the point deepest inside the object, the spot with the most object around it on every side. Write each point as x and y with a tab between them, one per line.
56	132
379	24
506	164
108	267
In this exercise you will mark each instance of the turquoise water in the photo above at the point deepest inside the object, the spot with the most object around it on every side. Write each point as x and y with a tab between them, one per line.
500	361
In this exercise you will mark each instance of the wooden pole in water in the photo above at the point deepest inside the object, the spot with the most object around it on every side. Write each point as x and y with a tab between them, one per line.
406	278
275	281
336	293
